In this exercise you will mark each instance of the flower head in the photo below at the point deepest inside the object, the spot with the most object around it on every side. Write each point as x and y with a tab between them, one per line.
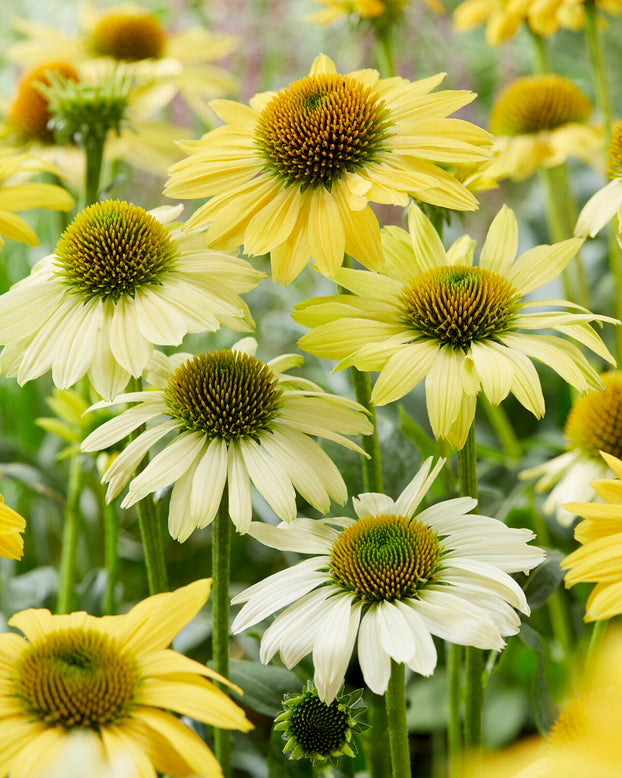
542	120
113	679
599	559
19	195
11	527
293	173
434	314
235	420
316	731
165	63
120	280
594	424
377	13
395	576
502	17
606	204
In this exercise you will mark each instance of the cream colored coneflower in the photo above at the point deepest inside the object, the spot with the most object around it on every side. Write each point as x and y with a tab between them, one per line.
293	173
606	204
594	424
120	280
114	680
502	17
599	559
18	194
235	420
165	62
11	527
465	328
541	121
392	577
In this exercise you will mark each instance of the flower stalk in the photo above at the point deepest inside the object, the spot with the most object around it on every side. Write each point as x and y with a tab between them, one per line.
396	716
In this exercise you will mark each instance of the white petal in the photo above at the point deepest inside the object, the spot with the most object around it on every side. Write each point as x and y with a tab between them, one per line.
181	522
423	659
396	638
208	483
409	500
269	478
114	430
240	506
501	244
76	339
375	662
305	536
372	504
427	245
333	645
128	345
448	515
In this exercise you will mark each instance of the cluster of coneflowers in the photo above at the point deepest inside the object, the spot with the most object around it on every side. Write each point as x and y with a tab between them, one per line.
206	435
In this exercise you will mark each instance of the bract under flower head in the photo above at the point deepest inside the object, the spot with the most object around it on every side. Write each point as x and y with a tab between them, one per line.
114	680
465	328
394	576
293	173
235	420
121	280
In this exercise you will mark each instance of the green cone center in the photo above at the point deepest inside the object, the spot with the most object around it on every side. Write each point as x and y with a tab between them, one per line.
319	729
320	128
384	557
112	249
76	678
224	394
459	304
594	423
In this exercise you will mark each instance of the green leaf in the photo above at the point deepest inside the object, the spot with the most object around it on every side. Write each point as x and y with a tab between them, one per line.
545	579
263	685
544	709
531	638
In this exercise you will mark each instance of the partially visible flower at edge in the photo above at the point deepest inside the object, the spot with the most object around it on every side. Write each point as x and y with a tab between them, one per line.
235	420
540	121
45	700
606	204
599	558
276	183
11	527
363	10
16	194
594	424
453	583
433	314
121	280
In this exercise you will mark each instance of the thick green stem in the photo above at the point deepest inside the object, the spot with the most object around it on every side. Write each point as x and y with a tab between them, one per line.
153	545
384	52
395	697
599	67
596	639
111	538
71	528
561	217
372	466
94	151
454	732
474	689
221	555
540	55
502	426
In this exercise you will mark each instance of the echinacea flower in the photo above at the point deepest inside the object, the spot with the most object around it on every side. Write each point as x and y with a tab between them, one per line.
541	121
120	280
81	749
11	527
385	12
235	420
165	62
606	204
465	328
316	731
393	577
594	424
502	17
293	173
115	680
17	194
599	558
546	17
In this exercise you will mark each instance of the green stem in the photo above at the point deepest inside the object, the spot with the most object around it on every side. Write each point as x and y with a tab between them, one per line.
94	151
454	732
561	219
474	689
372	465
153	545
384	52
396	716
149	523
599	67
596	639
111	538
503	429
540	55
71	527
221	556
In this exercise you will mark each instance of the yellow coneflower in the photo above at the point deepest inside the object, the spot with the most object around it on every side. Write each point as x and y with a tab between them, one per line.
11	527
